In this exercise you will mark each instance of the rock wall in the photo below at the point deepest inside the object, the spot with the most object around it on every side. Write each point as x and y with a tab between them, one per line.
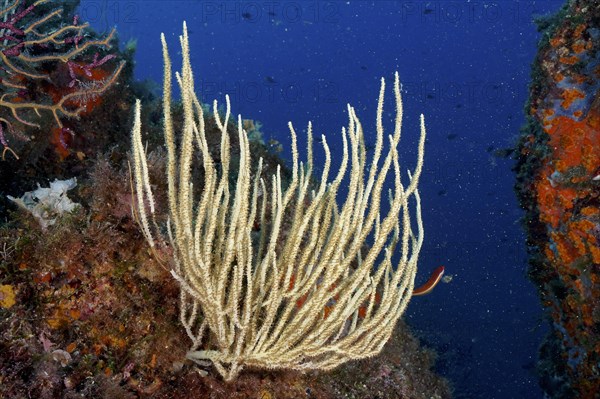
558	184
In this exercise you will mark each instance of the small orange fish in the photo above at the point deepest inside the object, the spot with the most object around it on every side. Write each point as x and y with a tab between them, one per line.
434	279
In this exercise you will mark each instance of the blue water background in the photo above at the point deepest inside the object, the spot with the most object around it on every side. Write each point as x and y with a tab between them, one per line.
464	64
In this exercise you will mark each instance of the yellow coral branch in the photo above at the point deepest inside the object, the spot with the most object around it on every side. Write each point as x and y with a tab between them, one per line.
310	292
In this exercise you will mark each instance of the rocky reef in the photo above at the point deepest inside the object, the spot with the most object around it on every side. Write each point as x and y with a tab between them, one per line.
558	184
